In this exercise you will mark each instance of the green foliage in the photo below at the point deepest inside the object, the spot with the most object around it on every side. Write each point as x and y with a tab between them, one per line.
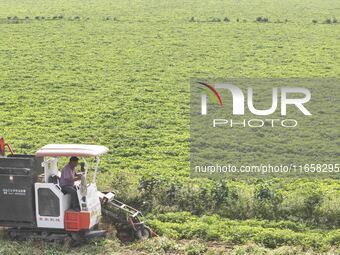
215	19
270	234
332	20
196	248
47	248
300	200
192	19
262	19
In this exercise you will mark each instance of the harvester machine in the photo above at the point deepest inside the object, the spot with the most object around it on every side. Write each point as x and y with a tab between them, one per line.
33	204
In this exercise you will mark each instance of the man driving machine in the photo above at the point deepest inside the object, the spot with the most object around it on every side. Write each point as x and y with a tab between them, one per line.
67	179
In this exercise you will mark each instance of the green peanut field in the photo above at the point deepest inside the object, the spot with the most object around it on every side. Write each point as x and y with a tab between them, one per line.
117	73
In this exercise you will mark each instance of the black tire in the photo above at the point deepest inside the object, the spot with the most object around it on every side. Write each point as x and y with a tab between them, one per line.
143	233
12	235
76	237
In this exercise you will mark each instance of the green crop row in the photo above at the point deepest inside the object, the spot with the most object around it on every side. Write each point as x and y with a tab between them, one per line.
316	204
184	225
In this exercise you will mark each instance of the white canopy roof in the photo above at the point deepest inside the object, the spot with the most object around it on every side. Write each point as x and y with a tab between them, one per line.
69	150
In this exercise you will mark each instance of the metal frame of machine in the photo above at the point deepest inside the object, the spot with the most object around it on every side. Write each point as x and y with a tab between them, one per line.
90	213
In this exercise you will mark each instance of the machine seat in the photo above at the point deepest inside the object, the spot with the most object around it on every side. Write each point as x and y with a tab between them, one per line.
54	179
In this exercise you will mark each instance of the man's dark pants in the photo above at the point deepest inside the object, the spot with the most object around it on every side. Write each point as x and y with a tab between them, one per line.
74	197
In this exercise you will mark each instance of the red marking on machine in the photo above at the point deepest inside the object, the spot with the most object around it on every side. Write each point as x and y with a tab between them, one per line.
3	146
76	221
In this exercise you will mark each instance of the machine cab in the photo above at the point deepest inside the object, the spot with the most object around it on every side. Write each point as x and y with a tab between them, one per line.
52	205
